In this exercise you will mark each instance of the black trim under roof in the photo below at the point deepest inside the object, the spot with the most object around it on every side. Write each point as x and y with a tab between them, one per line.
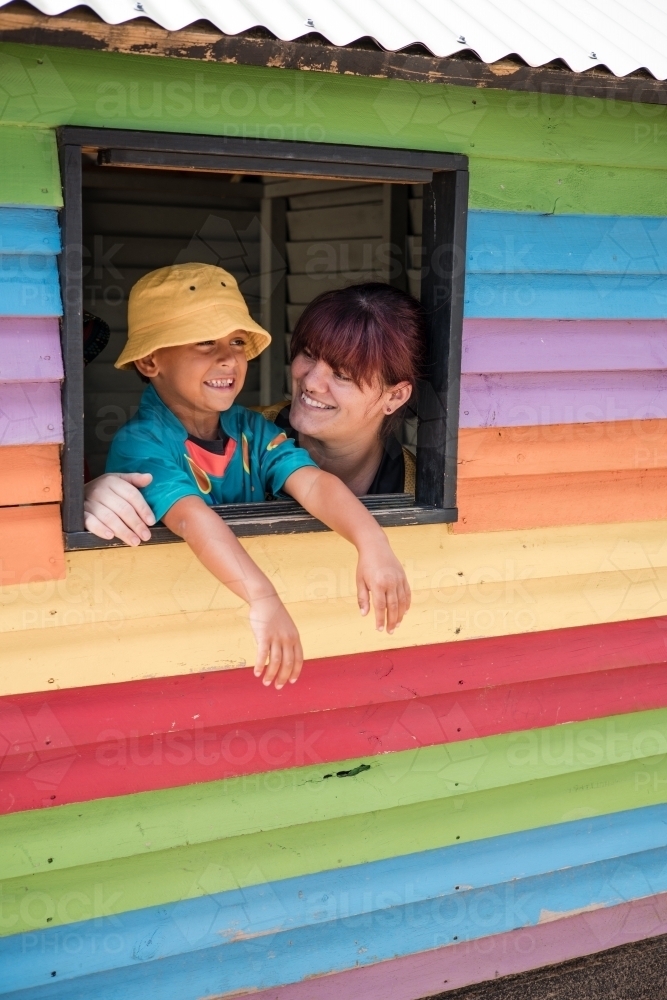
80	28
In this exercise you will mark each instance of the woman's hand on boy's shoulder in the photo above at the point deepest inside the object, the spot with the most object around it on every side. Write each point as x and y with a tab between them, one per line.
114	507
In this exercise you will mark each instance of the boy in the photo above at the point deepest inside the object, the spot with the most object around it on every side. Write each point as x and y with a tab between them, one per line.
190	336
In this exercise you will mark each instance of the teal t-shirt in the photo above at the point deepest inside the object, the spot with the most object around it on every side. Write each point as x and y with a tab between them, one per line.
253	458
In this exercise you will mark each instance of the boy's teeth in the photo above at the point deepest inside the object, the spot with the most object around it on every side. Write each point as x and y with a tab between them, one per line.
219	383
313	402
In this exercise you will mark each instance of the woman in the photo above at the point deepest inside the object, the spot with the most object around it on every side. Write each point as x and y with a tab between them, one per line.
355	356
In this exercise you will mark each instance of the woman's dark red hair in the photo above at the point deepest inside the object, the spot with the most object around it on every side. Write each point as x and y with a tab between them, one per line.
371	332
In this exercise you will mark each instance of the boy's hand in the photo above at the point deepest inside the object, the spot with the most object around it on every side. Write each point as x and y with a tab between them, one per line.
277	640
380	575
214	544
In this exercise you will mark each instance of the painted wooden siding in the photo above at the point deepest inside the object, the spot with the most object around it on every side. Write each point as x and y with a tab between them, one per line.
342	705
218	881
71	634
559	335
30	350
519	345
515	876
29	173
31	370
30	475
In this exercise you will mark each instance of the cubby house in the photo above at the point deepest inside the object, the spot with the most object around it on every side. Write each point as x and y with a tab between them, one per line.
482	795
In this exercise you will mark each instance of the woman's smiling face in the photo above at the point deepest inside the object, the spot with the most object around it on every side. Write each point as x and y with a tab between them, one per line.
330	406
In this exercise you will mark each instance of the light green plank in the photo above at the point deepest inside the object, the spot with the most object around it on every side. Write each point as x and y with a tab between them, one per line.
566	188
103	829
292	807
54	86
29	173
50	898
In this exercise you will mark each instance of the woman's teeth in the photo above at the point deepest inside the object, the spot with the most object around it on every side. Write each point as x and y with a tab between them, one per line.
220	383
314	403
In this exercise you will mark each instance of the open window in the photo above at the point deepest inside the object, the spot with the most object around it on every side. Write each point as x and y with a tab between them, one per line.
289	220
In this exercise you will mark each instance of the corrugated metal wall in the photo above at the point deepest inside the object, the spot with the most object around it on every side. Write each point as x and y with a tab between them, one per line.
484	791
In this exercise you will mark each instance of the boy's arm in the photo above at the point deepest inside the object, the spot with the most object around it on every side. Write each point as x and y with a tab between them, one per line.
379	572
216	546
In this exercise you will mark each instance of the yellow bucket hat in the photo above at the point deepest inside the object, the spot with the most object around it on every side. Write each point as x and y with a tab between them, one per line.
184	304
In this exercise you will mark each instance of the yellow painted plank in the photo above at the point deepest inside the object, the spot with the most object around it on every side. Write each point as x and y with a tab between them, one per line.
126	614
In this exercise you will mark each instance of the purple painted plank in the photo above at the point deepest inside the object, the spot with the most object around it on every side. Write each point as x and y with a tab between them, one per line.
30	413
30	349
527	399
557	345
458	965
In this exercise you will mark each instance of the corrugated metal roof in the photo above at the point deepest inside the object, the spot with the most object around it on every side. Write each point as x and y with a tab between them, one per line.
624	35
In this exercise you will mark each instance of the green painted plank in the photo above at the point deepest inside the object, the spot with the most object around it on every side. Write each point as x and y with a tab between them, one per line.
83	833
300	812
29	173
566	188
42	86
64	896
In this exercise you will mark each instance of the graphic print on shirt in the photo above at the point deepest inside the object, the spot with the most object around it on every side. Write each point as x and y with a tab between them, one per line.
204	464
245	451
278	439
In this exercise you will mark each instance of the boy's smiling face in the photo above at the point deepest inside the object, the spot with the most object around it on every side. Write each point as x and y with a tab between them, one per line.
199	381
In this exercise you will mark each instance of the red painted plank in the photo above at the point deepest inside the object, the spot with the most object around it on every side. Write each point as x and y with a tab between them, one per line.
92	742
485	959
30	349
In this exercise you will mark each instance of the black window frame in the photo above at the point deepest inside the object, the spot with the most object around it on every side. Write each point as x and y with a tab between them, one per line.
445	180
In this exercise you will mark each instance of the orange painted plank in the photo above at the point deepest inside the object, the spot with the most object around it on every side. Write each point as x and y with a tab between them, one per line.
505	503
30	474
31	544
552	448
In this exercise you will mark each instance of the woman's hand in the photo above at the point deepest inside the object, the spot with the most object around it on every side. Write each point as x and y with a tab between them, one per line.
381	576
114	507
277	640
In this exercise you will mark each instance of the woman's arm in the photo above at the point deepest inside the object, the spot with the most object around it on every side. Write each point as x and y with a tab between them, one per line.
379	573
219	550
114	507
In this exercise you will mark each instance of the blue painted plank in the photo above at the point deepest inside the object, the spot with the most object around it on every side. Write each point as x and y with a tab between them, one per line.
284	957
565	296
274	933
29	285
29	230
517	242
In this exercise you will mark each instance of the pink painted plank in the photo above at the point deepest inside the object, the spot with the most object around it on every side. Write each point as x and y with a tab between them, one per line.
556	345
30	413
528	399
30	349
458	965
